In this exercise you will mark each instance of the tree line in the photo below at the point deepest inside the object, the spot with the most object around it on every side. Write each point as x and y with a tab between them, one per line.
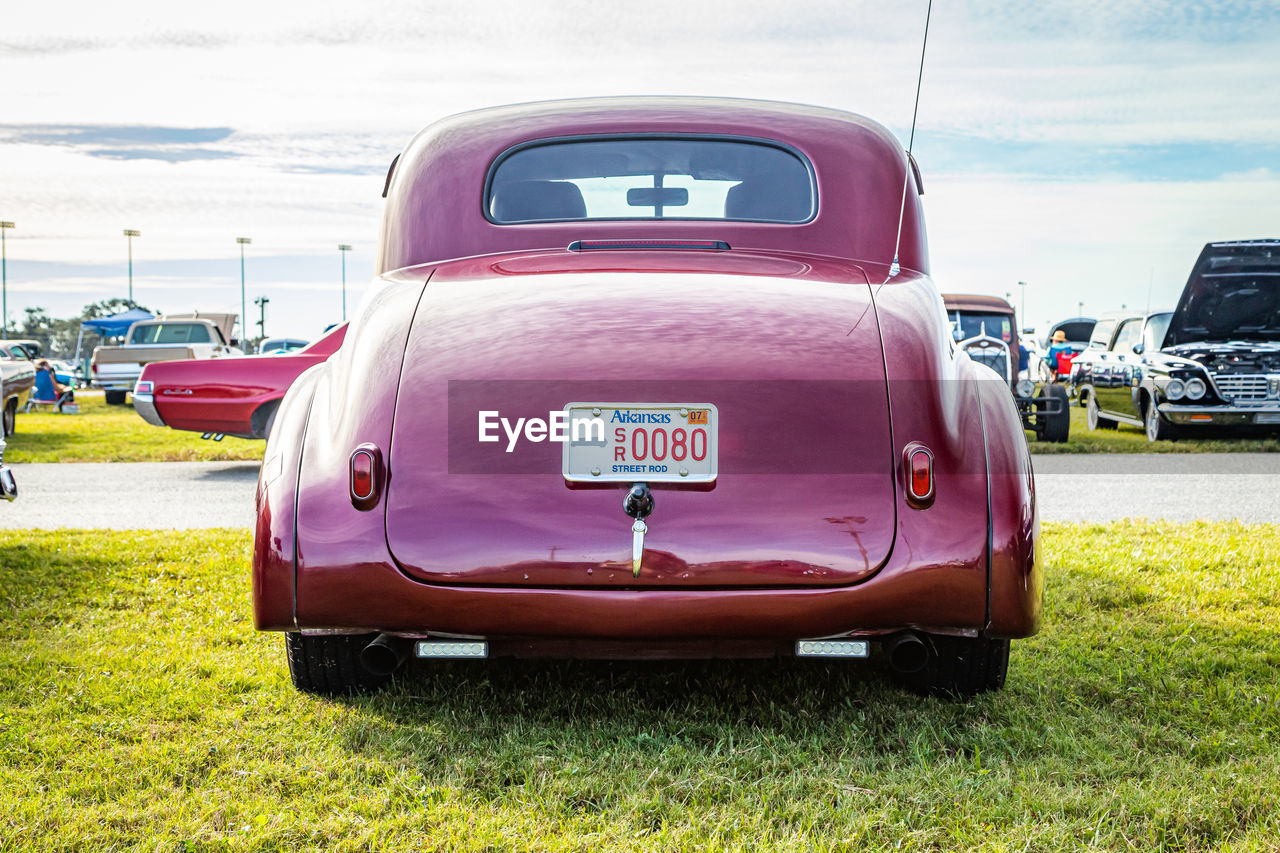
57	336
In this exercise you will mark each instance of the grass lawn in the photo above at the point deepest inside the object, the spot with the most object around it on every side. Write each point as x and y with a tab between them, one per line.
102	433
1132	439
139	711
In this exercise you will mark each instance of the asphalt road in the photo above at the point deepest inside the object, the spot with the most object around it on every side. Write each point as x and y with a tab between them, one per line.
1071	487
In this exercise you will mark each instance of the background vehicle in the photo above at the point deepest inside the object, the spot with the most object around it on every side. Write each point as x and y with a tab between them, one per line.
226	396
983	327
17	377
1214	361
668	262
167	338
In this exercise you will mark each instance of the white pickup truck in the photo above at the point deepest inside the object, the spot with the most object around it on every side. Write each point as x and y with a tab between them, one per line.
166	338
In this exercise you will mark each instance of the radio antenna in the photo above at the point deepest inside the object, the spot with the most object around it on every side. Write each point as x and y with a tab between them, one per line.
894	268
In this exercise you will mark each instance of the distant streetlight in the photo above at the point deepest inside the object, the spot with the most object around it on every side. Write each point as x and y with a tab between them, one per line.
130	233
4	275
1022	286
261	302
244	305
343	248
1080	309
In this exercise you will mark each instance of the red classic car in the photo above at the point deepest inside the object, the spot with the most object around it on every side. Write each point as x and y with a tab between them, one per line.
649	378
225	396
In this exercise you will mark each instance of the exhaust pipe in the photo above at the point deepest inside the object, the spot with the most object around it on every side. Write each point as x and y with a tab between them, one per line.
906	652
385	654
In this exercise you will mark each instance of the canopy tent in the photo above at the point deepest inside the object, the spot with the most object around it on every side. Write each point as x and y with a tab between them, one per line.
116	324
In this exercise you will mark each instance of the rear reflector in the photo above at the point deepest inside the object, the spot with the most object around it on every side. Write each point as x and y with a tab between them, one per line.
589	245
451	649
832	648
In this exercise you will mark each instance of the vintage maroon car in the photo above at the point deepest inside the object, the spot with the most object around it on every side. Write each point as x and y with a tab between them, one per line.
649	378
225	396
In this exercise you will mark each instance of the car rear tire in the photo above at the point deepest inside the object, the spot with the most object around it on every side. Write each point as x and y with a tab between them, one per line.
329	665
1093	416
1057	428
1157	428
959	667
10	418
115	398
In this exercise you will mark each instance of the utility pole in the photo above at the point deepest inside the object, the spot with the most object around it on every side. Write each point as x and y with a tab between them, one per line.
1022	285
130	233
4	275
244	307
261	302
343	248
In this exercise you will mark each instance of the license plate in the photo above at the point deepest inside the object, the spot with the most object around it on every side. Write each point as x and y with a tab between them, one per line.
1267	418
641	442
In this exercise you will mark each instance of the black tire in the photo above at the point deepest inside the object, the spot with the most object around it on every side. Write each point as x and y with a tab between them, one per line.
330	665
1093	416
959	667
1057	427
1156	427
10	418
115	398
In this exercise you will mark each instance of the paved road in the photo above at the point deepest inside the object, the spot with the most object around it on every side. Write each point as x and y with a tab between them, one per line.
1072	487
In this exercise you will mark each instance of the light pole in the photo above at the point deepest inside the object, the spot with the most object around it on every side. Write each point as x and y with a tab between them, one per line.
130	233
244	305
1022	286
1080	309
261	302
343	248
4	276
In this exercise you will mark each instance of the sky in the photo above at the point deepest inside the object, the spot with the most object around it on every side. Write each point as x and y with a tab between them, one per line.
1087	147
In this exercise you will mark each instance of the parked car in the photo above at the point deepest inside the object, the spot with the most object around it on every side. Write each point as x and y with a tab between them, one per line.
226	396
280	346
172	337
21	348
1214	361
17	377
8	486
771	446
983	327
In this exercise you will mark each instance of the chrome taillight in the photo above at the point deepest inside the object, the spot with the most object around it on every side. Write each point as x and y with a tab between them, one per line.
144	387
918	469
366	476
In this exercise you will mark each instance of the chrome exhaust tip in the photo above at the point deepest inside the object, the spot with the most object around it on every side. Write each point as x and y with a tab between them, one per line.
907	653
385	654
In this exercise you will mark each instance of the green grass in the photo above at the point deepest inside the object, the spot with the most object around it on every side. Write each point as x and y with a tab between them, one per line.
102	433
140	711
1132	439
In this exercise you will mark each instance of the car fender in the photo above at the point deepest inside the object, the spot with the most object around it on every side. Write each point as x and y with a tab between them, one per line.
1015	569
275	533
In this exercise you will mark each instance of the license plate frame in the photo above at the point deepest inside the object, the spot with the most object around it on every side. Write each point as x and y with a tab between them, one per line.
589	460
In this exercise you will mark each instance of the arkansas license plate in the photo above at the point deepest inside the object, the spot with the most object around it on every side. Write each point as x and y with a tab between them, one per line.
641	442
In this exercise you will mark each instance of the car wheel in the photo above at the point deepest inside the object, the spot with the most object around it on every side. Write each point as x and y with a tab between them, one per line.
10	418
959	667
1158	429
115	398
329	665
1057	428
1093	416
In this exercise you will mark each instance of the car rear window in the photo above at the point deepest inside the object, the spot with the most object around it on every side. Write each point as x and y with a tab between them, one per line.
651	178
170	333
